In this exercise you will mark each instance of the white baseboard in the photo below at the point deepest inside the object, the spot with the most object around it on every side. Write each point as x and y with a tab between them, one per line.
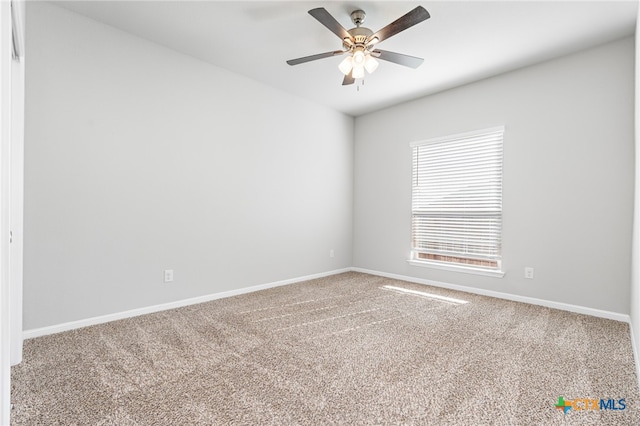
72	325
58	328
513	297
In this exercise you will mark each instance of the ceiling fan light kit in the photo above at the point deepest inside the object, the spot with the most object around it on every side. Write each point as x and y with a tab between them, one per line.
359	61
358	43
359	48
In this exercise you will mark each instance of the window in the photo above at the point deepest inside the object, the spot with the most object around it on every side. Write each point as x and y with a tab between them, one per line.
456	213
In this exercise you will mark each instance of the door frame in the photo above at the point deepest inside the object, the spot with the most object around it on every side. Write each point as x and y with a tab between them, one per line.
17	179
12	32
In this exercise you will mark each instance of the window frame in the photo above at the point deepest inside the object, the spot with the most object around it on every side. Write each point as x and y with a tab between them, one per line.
414	260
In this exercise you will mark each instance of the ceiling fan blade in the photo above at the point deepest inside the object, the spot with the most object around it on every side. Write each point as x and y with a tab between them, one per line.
398	58
314	57
330	22
408	20
348	79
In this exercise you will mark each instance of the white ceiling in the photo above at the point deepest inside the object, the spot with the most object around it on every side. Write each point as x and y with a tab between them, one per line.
462	41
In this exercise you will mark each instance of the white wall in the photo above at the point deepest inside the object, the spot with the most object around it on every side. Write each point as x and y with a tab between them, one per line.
568	177
140	159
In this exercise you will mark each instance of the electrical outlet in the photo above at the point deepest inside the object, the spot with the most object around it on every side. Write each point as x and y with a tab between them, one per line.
331	253
168	275
528	273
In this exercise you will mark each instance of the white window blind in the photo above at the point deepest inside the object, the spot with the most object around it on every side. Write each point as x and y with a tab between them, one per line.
457	199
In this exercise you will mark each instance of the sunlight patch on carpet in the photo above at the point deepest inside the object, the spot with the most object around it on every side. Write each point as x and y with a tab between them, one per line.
425	294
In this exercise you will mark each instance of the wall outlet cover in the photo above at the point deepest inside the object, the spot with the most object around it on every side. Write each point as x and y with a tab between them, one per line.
528	273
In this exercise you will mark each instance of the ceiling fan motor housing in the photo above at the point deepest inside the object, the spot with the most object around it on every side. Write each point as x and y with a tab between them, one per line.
360	35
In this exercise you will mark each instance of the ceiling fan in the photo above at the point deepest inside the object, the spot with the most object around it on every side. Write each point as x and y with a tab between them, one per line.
359	43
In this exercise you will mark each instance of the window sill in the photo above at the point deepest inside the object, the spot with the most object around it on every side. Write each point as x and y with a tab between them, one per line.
455	268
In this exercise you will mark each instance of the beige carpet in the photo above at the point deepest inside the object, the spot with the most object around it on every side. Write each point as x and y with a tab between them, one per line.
343	350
